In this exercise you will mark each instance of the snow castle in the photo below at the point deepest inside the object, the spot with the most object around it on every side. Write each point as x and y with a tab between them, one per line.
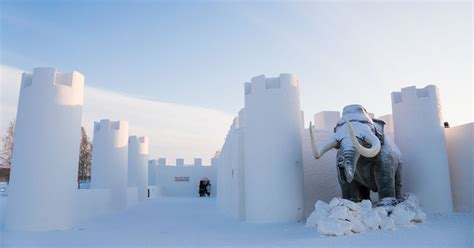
419	133
109	160
265	172
45	155
137	165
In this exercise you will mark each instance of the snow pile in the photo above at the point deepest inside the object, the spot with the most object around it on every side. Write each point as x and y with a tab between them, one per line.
344	217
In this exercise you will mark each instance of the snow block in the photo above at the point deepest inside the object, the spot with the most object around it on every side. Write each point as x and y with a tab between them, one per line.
402	215
339	213
388	224
321	212
372	220
331	227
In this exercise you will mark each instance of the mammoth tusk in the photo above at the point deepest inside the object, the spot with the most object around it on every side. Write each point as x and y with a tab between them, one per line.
319	151
373	141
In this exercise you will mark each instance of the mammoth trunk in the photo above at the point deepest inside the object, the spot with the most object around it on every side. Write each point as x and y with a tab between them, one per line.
347	164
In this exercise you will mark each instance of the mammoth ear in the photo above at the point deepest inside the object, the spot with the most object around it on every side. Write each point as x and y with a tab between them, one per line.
379	129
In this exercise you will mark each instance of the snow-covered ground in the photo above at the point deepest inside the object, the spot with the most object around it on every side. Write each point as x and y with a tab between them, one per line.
195	222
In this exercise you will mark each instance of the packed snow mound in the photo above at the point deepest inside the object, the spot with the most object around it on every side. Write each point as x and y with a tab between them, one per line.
344	217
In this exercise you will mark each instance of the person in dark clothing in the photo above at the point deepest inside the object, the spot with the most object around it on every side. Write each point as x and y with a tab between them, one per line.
208	188
202	188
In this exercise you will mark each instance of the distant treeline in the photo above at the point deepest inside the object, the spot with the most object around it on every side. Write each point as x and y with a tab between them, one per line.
4	174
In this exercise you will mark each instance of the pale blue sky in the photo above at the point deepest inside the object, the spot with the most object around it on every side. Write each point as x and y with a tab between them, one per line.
201	53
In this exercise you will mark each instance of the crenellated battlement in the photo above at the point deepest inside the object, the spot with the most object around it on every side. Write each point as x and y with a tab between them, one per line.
106	124
137	139
262	83
66	89
140	143
412	94
50	76
162	162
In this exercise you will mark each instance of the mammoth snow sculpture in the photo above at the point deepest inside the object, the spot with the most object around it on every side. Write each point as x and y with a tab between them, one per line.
366	159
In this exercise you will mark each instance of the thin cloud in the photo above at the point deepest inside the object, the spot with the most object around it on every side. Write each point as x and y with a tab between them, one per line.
175	130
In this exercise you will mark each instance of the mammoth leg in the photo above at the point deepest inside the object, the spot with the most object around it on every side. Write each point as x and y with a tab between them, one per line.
398	182
360	192
385	180
349	190
364	193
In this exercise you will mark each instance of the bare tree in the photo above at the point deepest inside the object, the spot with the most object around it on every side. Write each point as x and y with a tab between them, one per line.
7	146
85	157
6	152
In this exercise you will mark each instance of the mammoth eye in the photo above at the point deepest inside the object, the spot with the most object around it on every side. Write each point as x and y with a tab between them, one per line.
340	160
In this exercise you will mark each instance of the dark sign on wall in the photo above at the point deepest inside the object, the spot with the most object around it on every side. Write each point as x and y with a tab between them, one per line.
181	179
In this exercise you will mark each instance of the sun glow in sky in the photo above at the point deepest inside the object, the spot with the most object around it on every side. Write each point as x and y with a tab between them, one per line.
200	54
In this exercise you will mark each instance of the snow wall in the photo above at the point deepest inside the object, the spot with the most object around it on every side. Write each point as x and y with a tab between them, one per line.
388	128
183	179
419	133
152	164
231	168
138	165
460	142
46	152
153	192
273	153
92	203
320	175
326	120
109	160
